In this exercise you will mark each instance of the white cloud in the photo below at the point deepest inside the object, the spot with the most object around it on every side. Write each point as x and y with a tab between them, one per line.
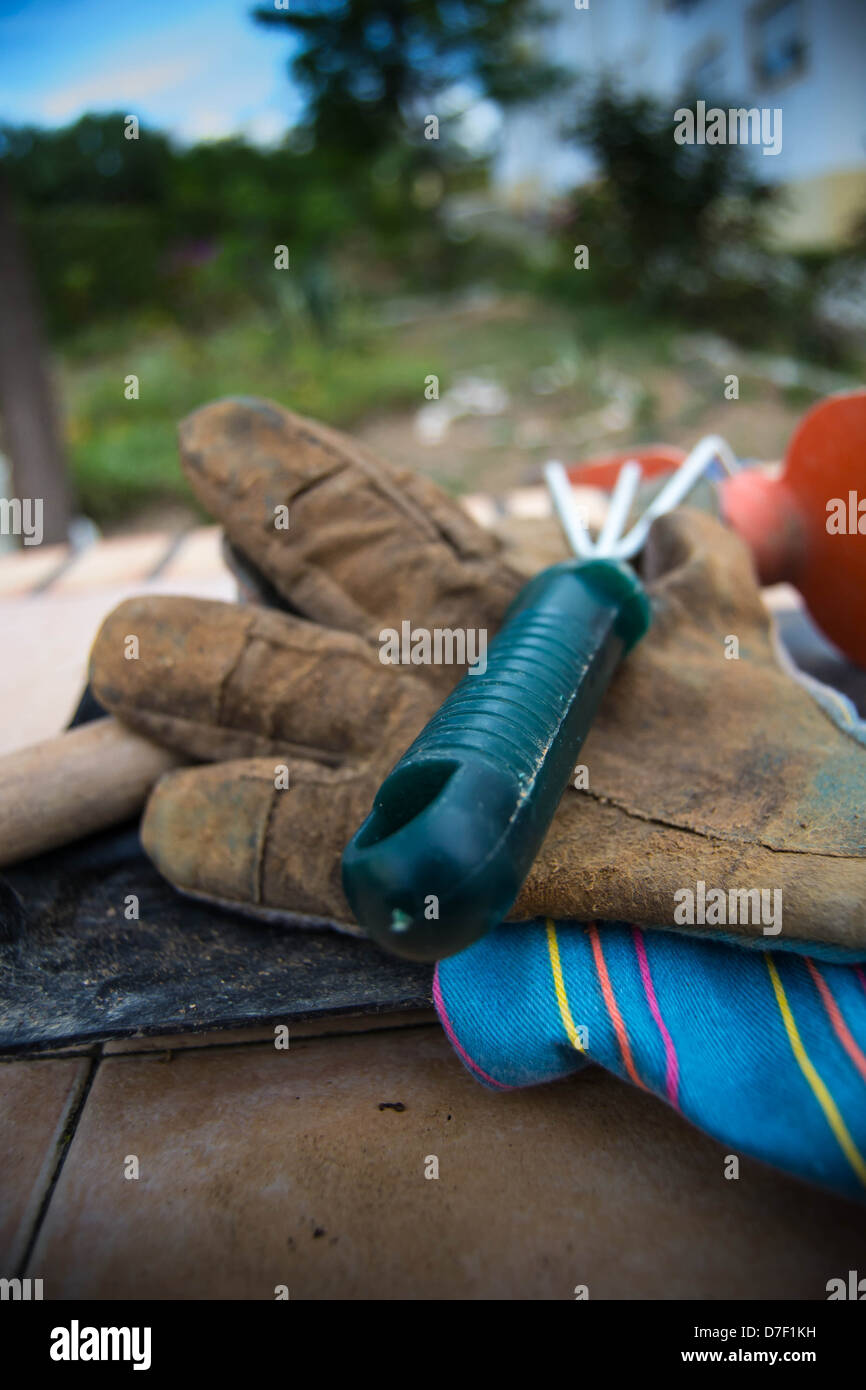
206	124
205	73
114	89
266	128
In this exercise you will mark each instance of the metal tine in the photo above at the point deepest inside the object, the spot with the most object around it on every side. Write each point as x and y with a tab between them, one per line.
627	482
678	486
567	509
609	545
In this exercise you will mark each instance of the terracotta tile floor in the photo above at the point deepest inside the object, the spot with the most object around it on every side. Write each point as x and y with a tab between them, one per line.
37	1102
260	1167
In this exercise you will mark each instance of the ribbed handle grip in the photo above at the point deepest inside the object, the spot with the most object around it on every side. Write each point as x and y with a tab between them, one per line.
457	823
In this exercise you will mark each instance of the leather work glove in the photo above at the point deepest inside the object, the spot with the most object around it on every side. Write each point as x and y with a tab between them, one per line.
702	769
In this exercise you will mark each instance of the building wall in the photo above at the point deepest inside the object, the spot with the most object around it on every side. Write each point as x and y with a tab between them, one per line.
712	48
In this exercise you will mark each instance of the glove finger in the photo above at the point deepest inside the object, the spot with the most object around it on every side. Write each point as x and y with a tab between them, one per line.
245	835
695	567
367	547
601	861
214	681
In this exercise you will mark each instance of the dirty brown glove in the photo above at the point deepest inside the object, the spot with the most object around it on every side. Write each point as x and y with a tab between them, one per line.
700	768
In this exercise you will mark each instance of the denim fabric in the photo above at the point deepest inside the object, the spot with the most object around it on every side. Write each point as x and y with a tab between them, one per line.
764	1050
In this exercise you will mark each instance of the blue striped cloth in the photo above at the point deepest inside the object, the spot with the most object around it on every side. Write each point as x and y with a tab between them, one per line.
763	1049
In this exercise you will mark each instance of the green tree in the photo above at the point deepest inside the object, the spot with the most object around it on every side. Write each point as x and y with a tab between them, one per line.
142	227
366	68
371	72
675	227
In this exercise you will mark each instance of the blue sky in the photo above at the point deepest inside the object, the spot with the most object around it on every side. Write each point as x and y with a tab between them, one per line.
199	69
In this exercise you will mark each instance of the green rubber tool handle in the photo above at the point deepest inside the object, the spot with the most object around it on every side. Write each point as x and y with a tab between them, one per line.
457	823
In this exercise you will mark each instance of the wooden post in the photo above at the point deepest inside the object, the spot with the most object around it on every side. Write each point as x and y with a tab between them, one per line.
30	432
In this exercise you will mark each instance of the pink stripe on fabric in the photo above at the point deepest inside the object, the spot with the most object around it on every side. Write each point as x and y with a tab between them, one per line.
452	1037
672	1080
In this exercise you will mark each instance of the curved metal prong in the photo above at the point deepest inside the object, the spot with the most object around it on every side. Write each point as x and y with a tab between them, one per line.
623	495
566	509
676	489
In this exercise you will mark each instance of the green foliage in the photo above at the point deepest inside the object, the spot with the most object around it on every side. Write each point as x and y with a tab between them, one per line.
371	72
160	260
368	67
124	454
686	231
187	236
666	197
139	228
673	227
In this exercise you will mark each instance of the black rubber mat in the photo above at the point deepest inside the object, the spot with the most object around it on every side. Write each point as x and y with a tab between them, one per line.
73	969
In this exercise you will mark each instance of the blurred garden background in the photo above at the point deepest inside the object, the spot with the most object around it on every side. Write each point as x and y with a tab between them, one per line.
426	299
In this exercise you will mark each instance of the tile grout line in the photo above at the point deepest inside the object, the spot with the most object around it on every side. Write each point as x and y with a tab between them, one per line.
9	1059
208	1047
267	1042
65	1144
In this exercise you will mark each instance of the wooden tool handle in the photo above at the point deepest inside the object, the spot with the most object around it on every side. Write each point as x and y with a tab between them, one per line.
82	781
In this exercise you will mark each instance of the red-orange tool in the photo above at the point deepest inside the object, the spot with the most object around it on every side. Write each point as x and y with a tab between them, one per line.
655	460
809	525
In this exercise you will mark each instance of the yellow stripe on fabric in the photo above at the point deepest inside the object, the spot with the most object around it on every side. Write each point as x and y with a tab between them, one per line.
822	1095
559	986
